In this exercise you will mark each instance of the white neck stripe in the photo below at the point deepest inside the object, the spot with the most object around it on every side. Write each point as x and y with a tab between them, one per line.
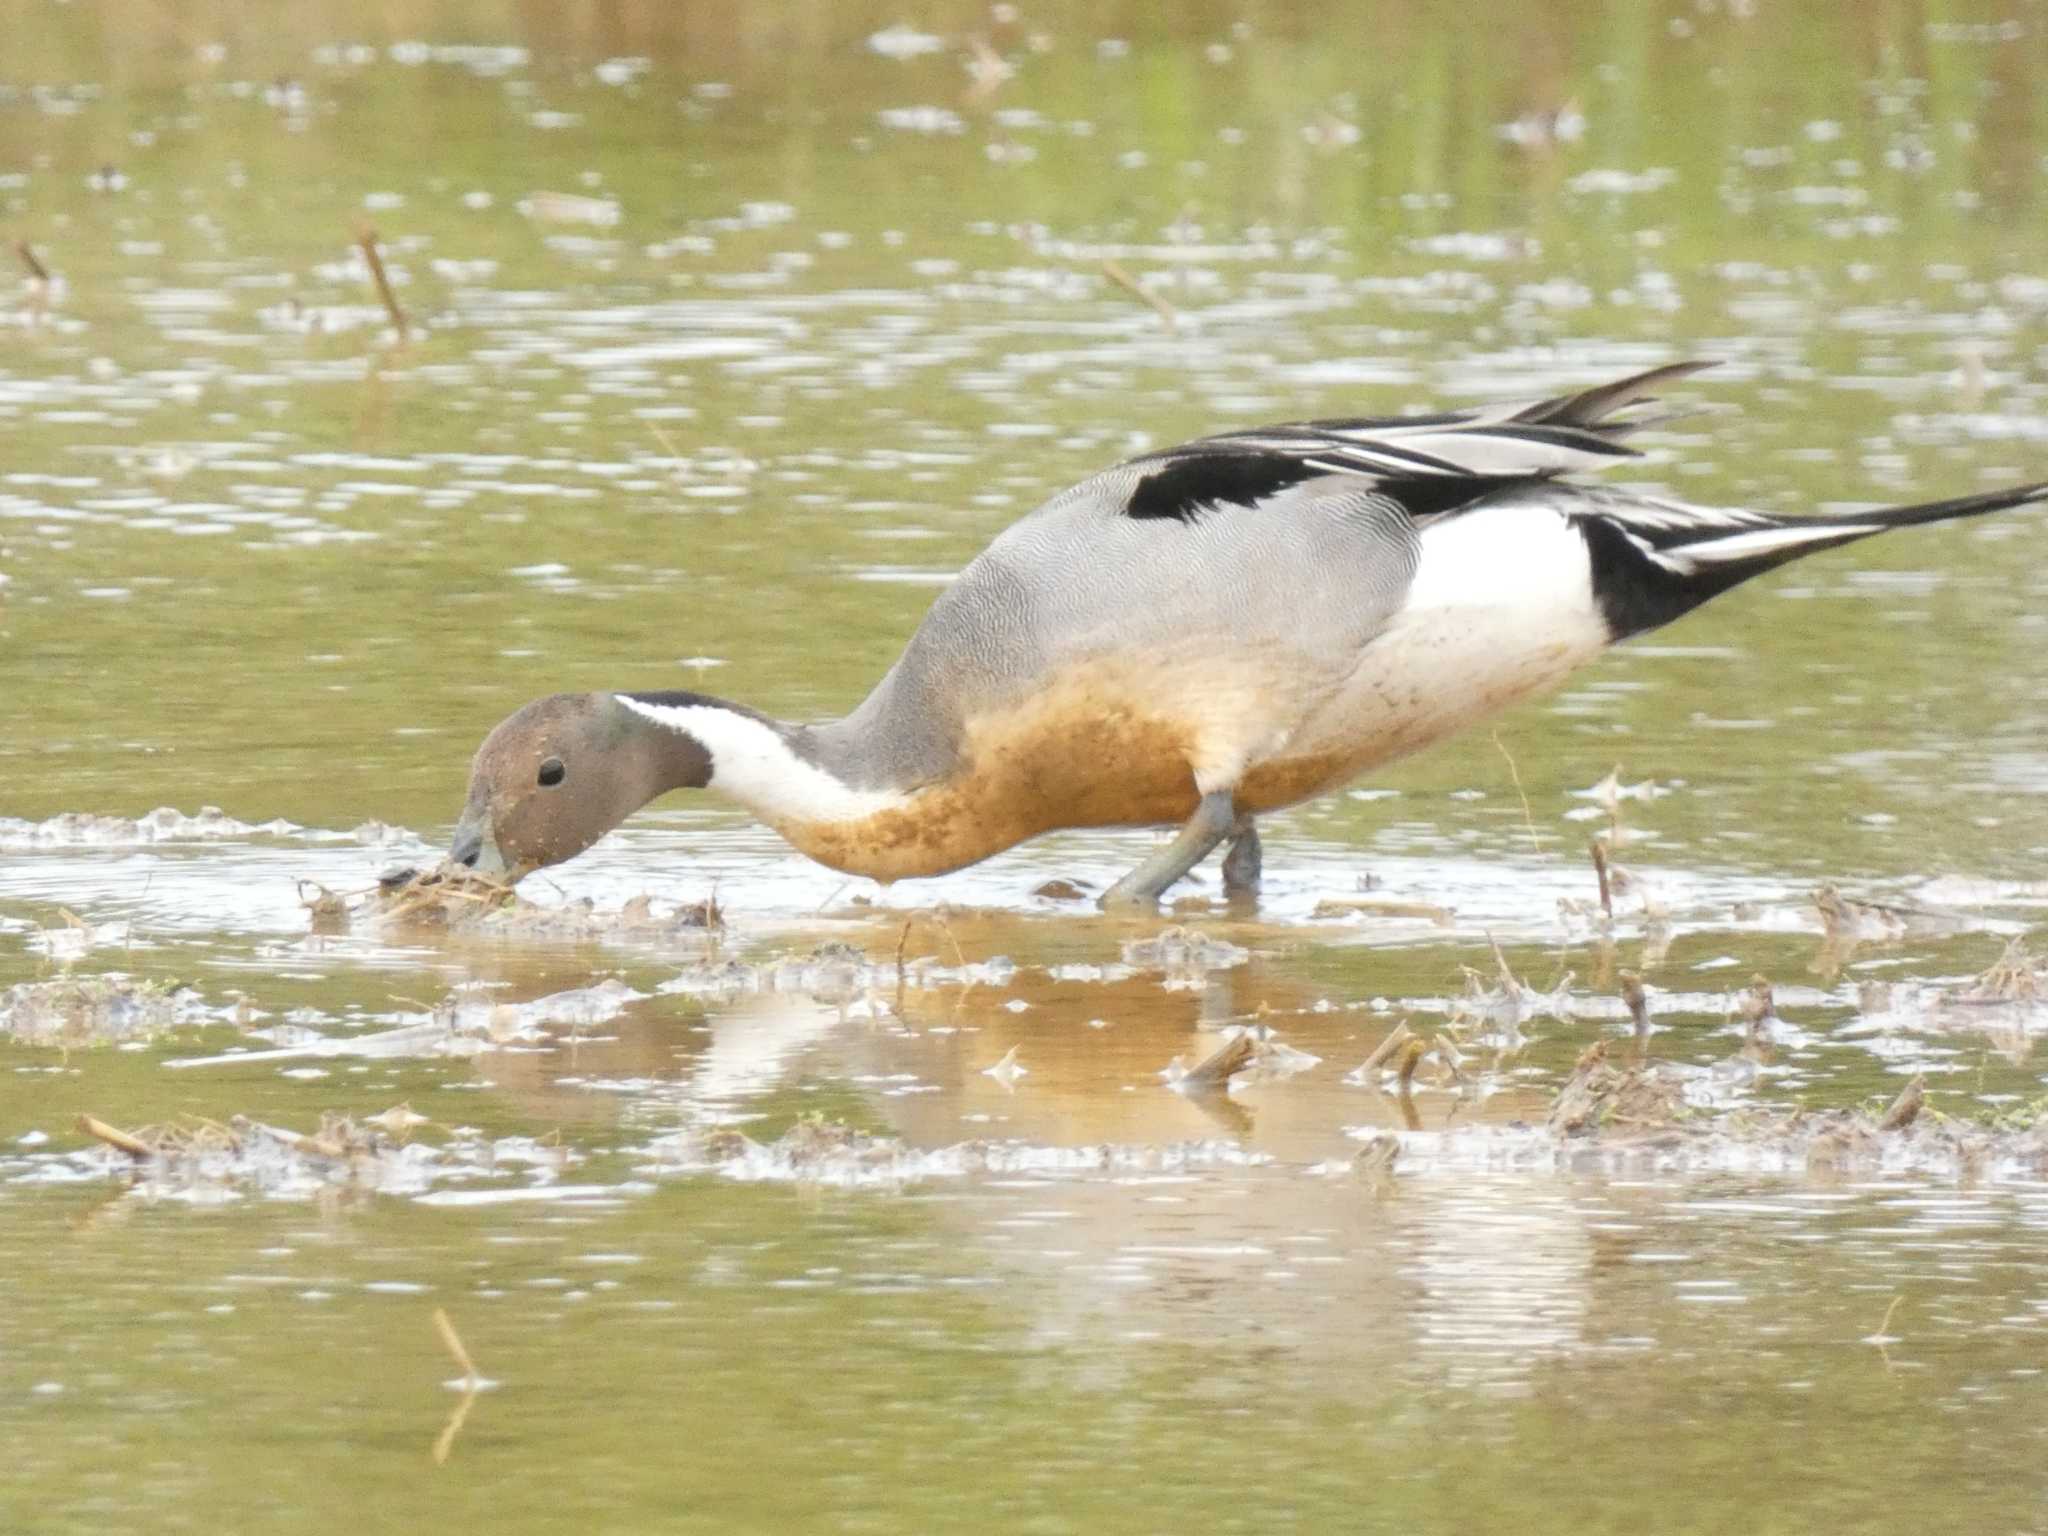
753	764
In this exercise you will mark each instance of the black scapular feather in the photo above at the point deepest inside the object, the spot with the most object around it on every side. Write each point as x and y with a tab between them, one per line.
1186	486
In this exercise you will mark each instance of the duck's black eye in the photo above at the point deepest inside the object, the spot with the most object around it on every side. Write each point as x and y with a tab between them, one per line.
552	773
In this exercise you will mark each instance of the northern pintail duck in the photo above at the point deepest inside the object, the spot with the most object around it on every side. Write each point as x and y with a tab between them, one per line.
1195	637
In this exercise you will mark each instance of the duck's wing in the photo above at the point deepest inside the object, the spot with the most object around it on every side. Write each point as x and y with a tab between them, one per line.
1430	464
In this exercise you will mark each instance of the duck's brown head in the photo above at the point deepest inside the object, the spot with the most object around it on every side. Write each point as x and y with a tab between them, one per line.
556	776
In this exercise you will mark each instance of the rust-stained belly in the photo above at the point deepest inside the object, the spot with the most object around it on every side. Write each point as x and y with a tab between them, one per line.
1113	744
1028	772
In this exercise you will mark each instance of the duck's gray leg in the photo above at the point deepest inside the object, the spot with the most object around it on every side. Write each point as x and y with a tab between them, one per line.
1242	864
1212	822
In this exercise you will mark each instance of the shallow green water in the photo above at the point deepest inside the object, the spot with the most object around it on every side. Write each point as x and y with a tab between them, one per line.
731	336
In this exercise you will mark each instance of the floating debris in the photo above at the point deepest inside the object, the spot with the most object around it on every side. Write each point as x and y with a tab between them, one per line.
1212	1074
1248	1055
2013	978
1636	1124
207	1160
1757	1006
76	937
326	912
818	1151
2007	1004
724	979
834	972
445	896
1798	1144
399	1121
457	899
1377	1157
1508	1000
1366	1073
1905	1109
1273	1058
1061	890
1375	906
1599	1096
1186	955
110	1009
466	1023
1008	1070
1848	924
119	1140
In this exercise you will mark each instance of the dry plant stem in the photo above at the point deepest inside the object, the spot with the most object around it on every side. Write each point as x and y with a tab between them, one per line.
366	239
37	272
1508	983
225	1132
452	1342
1411	1053
668	446
1514	774
120	1140
471	1378
445	1443
312	1146
1906	1107
1219	1066
1411	1056
1638	1004
1400	1035
441	885
1115	272
1600	869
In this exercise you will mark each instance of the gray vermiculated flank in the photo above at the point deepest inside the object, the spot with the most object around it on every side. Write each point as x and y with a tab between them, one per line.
1312	573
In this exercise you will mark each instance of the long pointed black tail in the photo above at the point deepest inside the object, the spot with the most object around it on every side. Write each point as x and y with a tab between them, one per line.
1731	555
1653	563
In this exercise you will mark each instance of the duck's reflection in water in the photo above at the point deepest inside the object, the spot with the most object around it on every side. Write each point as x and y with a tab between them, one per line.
1223	1223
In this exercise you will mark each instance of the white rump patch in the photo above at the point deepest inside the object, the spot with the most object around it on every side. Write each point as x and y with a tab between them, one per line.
751	763
1501	607
1518	557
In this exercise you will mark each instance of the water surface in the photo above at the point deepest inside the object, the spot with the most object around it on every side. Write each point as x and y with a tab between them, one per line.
730	338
